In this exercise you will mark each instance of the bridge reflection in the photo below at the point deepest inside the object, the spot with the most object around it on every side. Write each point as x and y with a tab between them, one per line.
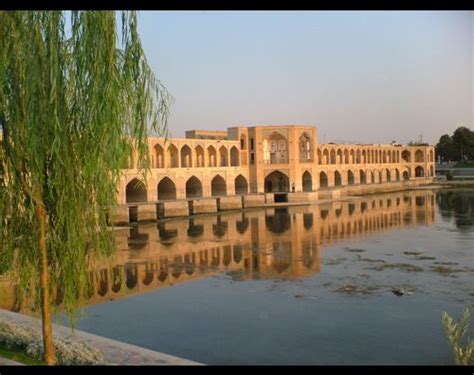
258	244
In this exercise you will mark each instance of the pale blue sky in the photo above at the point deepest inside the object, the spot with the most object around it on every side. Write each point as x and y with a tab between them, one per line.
357	76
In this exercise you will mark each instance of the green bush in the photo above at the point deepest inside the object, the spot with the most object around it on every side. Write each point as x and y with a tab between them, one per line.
449	176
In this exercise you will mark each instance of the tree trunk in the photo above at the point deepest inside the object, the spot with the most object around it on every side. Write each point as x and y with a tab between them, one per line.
48	353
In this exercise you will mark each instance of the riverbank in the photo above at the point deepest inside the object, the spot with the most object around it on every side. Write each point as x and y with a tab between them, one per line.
114	352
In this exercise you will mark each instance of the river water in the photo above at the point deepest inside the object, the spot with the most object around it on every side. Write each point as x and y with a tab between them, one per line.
363	281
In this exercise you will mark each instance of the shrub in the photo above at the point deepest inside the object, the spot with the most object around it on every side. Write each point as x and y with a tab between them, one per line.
455	331
67	351
449	176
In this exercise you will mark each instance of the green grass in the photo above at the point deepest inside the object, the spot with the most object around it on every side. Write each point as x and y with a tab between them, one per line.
19	356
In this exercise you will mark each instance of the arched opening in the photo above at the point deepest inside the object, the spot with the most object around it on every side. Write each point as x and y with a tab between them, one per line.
363	177
431	157
406	156
419	172
431	171
325	157
243	142
350	178
419	156
339	157
306	150
275	149
223	158
234	157
406	175
172	156
389	175
358	157
323	180
276	182
193	188
397	174
218	186
166	190
337	179
346	156
159	156
320	157
136	192
384	157
241	185
380	177
212	156
364	157
372	177
199	151
333	156
307	181
394	156
186	159
352	156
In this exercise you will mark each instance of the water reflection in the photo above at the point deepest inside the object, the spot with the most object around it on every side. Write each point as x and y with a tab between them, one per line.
457	205
258	244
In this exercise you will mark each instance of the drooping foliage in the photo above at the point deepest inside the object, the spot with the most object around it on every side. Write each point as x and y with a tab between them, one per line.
74	104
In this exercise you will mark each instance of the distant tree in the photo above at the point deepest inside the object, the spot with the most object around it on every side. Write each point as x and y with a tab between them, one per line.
463	139
72	110
445	148
458	147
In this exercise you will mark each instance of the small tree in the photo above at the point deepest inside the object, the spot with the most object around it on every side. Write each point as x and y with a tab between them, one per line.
72	111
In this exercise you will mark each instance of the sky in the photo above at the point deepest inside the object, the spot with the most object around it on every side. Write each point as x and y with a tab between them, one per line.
365	77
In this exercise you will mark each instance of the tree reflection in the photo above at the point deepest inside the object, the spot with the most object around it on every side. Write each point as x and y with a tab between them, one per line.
458	205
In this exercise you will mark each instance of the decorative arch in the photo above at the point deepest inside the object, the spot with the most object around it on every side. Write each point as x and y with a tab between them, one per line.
346	156
307	181
212	156
419	172
223	157
199	152
388	174
234	157
397	174
136	192
277	182
337	179
325	156
323	180
333	156
186	157
193	188
166	189
362	177
406	175
172	156
350	177
419	156
159	156
218	186
241	185
305	147
406	156
339	157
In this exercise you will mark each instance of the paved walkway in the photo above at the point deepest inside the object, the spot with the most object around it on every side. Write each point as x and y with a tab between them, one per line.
8	362
114	352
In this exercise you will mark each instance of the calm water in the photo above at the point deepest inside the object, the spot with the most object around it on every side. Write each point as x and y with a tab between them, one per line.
302	285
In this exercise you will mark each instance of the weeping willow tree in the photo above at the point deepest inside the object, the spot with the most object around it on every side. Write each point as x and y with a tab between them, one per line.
77	101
